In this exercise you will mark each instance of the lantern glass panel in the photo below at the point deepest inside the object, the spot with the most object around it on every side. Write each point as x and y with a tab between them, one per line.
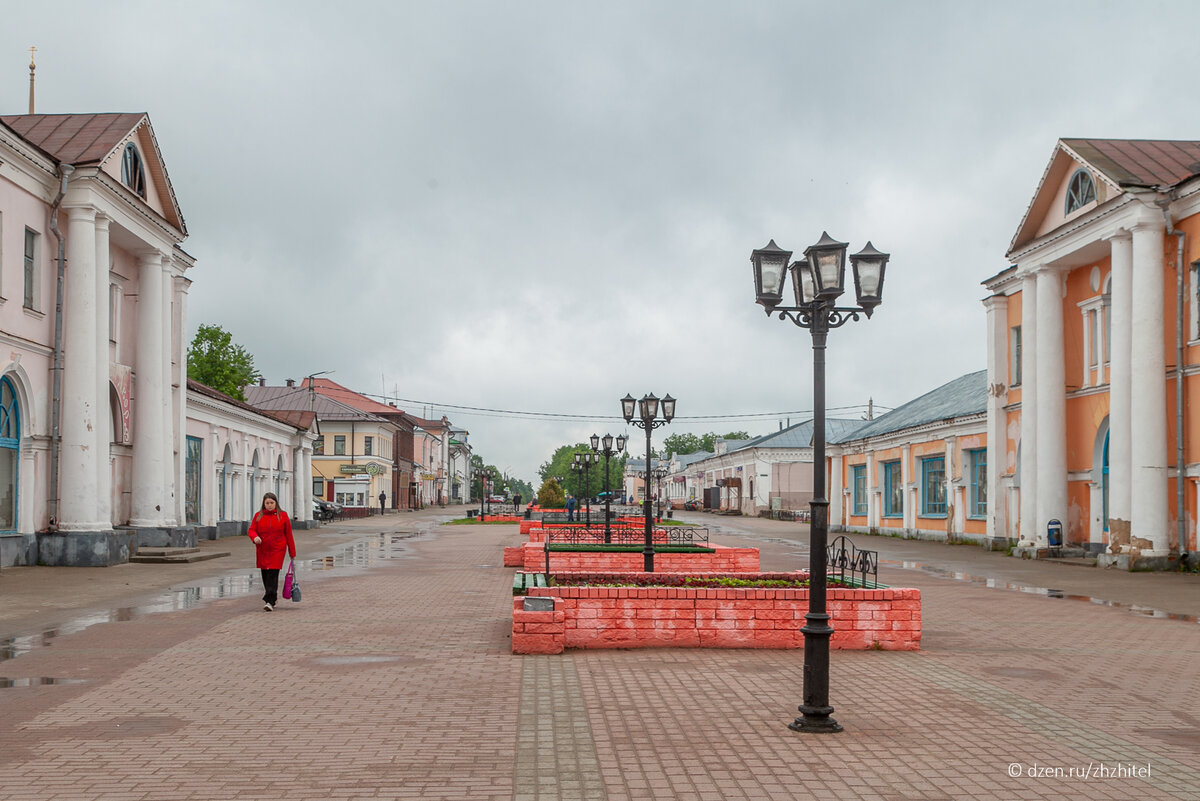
668	408
608	442
649	407
627	404
620	443
595	440
802	283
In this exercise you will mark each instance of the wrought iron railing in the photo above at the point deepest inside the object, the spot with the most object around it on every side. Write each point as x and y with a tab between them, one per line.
665	535
844	559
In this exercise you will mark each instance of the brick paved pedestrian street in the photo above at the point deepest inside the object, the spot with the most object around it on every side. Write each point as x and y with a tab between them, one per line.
393	679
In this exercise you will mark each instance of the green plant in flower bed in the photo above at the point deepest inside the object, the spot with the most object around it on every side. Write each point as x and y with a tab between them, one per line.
768	580
474	521
604	548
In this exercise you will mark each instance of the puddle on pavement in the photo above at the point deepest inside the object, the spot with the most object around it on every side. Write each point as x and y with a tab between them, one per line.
37	681
351	558
1046	592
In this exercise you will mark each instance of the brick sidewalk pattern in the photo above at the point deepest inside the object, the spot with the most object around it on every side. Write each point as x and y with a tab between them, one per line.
397	682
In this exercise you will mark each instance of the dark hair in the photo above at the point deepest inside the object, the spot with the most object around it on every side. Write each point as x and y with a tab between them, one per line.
270	495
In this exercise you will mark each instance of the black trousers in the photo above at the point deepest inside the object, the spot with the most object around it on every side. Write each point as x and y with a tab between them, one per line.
270	580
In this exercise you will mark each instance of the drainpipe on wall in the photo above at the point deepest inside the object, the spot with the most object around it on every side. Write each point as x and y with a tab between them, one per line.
64	171
1180	503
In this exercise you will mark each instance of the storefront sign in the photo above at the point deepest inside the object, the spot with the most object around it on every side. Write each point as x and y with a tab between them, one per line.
370	468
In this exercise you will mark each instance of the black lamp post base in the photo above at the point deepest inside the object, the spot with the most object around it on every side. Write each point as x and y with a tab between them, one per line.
816	721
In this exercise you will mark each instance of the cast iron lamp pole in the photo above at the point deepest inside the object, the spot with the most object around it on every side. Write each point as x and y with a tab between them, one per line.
818	280
482	494
607	451
648	419
660	473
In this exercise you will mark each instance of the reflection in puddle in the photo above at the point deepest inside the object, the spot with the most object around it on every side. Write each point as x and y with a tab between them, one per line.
360	554
38	681
1046	592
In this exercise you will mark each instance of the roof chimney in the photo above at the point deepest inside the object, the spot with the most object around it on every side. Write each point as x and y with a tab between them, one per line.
262	382
291	382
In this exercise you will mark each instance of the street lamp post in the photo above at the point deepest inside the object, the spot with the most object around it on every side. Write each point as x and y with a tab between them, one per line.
660	473
648	419
818	281
607	451
482	493
584	462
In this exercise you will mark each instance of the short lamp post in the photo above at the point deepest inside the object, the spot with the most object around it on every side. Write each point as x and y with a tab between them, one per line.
818	281
607	451
483	493
648	419
660	473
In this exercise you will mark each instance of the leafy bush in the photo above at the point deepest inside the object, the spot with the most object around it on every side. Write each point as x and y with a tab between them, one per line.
551	495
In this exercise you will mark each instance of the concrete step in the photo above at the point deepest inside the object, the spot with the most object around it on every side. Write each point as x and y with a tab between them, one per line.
174	555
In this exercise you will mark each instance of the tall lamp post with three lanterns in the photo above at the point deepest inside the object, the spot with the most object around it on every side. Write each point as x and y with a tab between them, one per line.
607	451
818	281
584	462
648	419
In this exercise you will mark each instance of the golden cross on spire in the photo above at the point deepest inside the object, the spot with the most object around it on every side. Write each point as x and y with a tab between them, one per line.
32	50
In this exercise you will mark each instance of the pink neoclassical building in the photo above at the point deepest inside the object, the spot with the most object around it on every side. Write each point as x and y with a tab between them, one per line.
98	454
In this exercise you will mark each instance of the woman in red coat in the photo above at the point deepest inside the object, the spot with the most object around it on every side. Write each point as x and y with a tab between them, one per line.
271	532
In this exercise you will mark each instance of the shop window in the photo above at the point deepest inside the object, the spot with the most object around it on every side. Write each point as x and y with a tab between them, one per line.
933	487
318	487
893	490
859	482
977	459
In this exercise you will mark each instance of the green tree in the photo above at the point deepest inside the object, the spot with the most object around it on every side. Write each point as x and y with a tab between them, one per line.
572	481
690	443
215	361
551	495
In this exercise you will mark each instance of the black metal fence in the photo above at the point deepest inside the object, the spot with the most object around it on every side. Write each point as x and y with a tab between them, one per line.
666	535
844	559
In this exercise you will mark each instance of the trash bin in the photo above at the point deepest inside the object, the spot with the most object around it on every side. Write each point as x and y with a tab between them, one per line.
471	513
670	515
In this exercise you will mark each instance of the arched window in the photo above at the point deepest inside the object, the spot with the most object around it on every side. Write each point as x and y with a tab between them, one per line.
132	174
10	447
1081	191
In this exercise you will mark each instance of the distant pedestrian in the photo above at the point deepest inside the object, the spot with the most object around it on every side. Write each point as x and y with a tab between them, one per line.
382	501
570	508
271	533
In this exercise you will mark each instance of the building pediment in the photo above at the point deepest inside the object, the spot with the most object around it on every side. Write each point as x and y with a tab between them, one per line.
1086	174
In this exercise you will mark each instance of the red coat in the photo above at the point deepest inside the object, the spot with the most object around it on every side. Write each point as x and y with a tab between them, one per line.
275	528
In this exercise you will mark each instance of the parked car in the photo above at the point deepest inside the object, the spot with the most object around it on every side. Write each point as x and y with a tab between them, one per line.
325	510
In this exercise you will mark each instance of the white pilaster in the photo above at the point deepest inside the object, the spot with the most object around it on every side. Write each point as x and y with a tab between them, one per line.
954	506
874	487
1148	395
1051	405
104	428
997	419
79	504
1029	328
909	508
149	467
836	501
1120	384
171	451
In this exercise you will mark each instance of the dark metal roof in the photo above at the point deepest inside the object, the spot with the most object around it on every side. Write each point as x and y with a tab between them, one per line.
299	419
961	397
1144	162
74	138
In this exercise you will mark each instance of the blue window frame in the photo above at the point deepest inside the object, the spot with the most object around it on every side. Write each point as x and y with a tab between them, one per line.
192	479
893	490
859	482
933	487
979	494
10	453
1081	191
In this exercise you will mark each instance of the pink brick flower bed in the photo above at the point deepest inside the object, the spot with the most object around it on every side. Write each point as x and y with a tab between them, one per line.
723	560
637	617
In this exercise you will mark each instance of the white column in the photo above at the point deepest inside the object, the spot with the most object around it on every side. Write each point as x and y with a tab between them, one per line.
1120	499
298	500
997	419
79	502
149	469
836	501
180	288
306	462
1148	395
209	513
953	498
170	452
103	430
1029	327
909	509
874	483
1051	405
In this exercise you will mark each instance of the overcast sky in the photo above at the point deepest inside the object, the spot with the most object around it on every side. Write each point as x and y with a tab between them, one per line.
542	206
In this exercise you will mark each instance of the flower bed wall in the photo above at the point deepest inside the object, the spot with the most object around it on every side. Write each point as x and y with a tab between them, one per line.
723	560
638	617
537	531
